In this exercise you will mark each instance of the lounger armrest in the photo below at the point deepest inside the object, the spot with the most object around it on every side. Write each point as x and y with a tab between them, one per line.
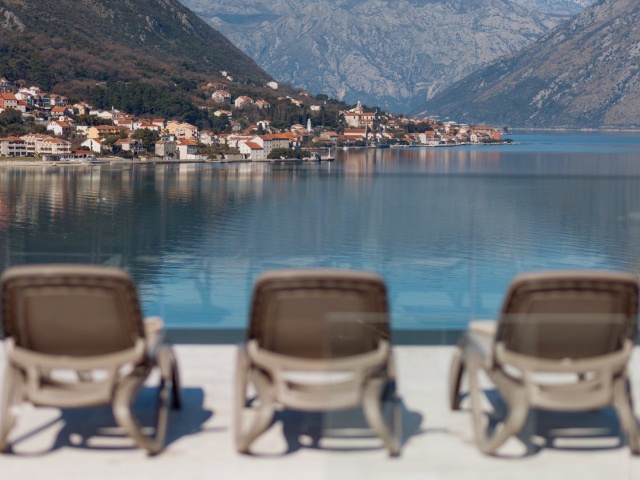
483	327
611	362
27	358
34	364
311	384
360	366
574	393
478	347
154	333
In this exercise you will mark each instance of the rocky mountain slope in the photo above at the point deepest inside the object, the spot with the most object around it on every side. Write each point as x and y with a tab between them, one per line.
585	73
562	7
391	53
67	45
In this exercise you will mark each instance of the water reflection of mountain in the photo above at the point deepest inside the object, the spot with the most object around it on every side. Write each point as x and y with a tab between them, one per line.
195	236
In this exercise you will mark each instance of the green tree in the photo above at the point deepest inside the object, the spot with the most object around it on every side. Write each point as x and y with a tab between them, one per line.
110	140
148	138
284	153
10	116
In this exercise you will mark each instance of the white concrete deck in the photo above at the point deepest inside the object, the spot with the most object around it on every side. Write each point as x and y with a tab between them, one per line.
438	443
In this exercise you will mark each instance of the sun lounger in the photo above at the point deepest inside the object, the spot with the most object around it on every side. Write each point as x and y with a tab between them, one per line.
318	340
562	343
84	320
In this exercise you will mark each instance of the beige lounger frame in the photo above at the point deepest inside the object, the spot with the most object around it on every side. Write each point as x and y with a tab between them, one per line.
84	320
295	316
535	335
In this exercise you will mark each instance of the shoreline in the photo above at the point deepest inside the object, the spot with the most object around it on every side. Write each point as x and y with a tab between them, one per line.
116	161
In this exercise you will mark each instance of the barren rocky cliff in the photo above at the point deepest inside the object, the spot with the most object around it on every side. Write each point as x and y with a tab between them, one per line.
391	53
584	73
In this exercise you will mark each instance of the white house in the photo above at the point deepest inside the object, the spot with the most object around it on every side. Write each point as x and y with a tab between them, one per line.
26	96
93	144
252	151
242	101
187	150
221	96
149	126
234	140
58	127
207	137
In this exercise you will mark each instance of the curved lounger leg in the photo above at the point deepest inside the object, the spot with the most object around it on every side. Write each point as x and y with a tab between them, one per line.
123	398
176	385
396	422
12	393
624	407
372	407
396	405
244	437
127	391
455	378
516	418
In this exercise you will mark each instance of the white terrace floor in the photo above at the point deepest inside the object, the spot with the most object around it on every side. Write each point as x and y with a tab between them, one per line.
438	443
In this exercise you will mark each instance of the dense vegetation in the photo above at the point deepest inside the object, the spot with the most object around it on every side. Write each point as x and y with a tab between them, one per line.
142	98
147	58
284	153
12	124
158	43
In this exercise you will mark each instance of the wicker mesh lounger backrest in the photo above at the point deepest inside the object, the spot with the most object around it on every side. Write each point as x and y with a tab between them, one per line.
569	314
319	313
74	310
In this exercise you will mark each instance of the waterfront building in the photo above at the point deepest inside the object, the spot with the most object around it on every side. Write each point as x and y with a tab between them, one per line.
166	148
187	149
252	151
132	145
13	147
95	145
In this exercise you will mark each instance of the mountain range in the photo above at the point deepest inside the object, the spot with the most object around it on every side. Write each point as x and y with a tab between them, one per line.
584	73
67	45
391	53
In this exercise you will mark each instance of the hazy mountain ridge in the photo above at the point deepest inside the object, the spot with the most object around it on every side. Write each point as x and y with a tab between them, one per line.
392	53
585	73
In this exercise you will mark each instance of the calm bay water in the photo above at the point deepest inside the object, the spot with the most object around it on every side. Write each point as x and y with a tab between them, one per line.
446	227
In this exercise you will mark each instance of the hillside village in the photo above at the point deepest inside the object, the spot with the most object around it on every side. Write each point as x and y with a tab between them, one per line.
62	130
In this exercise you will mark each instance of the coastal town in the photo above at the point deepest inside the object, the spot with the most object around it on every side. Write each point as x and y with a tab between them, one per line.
62	130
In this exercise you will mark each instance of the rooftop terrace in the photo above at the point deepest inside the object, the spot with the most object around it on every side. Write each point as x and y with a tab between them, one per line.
438	443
